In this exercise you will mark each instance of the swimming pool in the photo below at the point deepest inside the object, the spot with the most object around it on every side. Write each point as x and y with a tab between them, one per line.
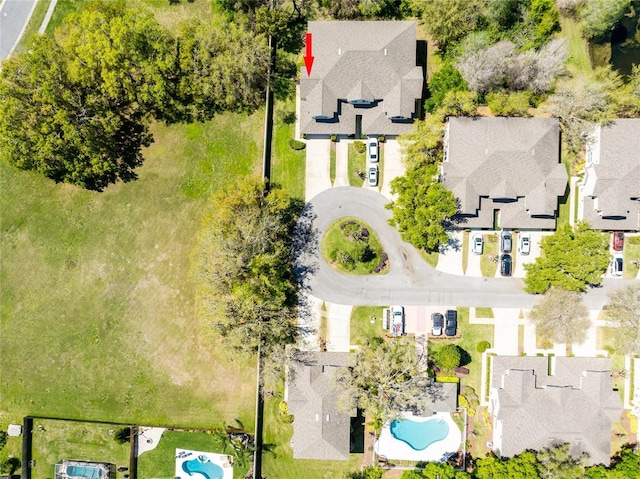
86	472
202	465
419	434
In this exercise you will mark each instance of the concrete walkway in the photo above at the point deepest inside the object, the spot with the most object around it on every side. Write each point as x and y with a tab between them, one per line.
393	166
338	327
148	438
342	163
450	260
589	347
317	167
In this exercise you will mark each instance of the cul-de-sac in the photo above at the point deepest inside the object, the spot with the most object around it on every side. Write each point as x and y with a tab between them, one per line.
318	239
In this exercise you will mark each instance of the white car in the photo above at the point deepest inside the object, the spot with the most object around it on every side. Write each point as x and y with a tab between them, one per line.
478	244
373	176
372	150
397	320
525	243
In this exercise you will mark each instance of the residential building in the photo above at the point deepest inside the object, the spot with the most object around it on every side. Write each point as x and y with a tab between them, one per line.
320	429
365	79
537	402
505	172
610	188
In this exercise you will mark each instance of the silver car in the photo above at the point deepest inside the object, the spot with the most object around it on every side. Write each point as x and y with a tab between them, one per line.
478	244
373	176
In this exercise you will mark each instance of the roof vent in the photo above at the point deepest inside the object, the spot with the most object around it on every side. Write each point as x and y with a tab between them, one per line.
328	418
317	417
533	152
339	51
486	151
385	52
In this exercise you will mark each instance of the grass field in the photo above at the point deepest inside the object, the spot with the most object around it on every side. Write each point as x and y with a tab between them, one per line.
56	440
279	462
487	266
356	162
288	165
160	463
631	252
361	325
578	61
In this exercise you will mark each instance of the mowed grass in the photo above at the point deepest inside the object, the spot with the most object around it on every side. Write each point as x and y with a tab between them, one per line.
631	252
489	266
160	463
287	165
278	459
97	305
57	440
357	162
578	61
366	322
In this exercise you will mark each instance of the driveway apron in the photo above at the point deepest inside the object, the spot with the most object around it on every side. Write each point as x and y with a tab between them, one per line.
393	166
317	167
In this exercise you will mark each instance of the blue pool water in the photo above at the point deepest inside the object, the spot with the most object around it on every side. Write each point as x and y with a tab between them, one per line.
88	472
419	435
203	466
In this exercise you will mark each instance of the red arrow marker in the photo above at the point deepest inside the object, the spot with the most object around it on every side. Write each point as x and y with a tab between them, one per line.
308	58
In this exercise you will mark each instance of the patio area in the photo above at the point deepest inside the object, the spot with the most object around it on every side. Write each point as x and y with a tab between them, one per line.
432	439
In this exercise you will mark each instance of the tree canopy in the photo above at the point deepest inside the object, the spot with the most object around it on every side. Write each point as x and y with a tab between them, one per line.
573	259
423	209
446	356
75	106
624	311
561	317
599	17
246	286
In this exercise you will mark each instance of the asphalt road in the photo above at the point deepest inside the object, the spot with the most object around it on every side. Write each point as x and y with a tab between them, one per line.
410	280
14	16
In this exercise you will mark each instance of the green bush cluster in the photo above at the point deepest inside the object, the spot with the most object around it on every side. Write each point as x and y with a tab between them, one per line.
359	146
296	145
509	104
483	346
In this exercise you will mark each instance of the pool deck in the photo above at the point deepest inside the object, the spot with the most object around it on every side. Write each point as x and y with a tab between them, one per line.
392	448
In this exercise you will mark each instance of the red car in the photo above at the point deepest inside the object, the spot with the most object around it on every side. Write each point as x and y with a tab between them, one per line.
618	240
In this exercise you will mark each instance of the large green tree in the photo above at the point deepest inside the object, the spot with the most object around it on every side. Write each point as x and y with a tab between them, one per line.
573	259
522	466
557	463
561	317
246	286
423	209
386	380
599	17
624	311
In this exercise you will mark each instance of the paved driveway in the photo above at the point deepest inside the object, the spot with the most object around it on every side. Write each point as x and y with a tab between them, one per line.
338	327
14	17
450	258
536	237
393	166
505	331
317	167
410	281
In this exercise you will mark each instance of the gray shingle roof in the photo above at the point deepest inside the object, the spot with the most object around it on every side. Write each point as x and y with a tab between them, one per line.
576	405
617	178
370	61
510	164
320	431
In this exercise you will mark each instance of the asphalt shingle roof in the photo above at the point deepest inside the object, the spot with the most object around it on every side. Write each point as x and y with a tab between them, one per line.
371	61
575	405
320	431
511	164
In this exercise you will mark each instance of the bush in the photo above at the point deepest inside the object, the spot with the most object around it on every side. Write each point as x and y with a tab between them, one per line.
447	357
483	346
123	435
283	407
359	146
509	104
381	139
334	138
3	439
296	145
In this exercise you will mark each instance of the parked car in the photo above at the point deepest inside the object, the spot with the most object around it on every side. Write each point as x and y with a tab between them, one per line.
397	320
452	322
616	266
505	242
505	265
618	240
438	323
525	243
373	176
478	244
372	150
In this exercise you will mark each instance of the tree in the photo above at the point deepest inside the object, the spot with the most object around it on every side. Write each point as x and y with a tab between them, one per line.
459	103
369	472
600	17
435	470
561	317
522	466
447	21
557	463
509	104
423	209
624	311
444	80
386	380
123	435
573	258
447	356
3	439
582	103
246	285
423	144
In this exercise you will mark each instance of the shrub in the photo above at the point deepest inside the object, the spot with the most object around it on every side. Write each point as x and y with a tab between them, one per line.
334	138
123	435
509	104
483	346
283	407
447	357
3	439
359	146
381	139
296	145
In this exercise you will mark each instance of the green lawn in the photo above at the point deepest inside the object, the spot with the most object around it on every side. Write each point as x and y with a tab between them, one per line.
279	462
97	306
578	60
430	258
334	240
631	252
488	266
357	162
57	440
361	325
160	463
484	312
288	165
332	163
471	335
